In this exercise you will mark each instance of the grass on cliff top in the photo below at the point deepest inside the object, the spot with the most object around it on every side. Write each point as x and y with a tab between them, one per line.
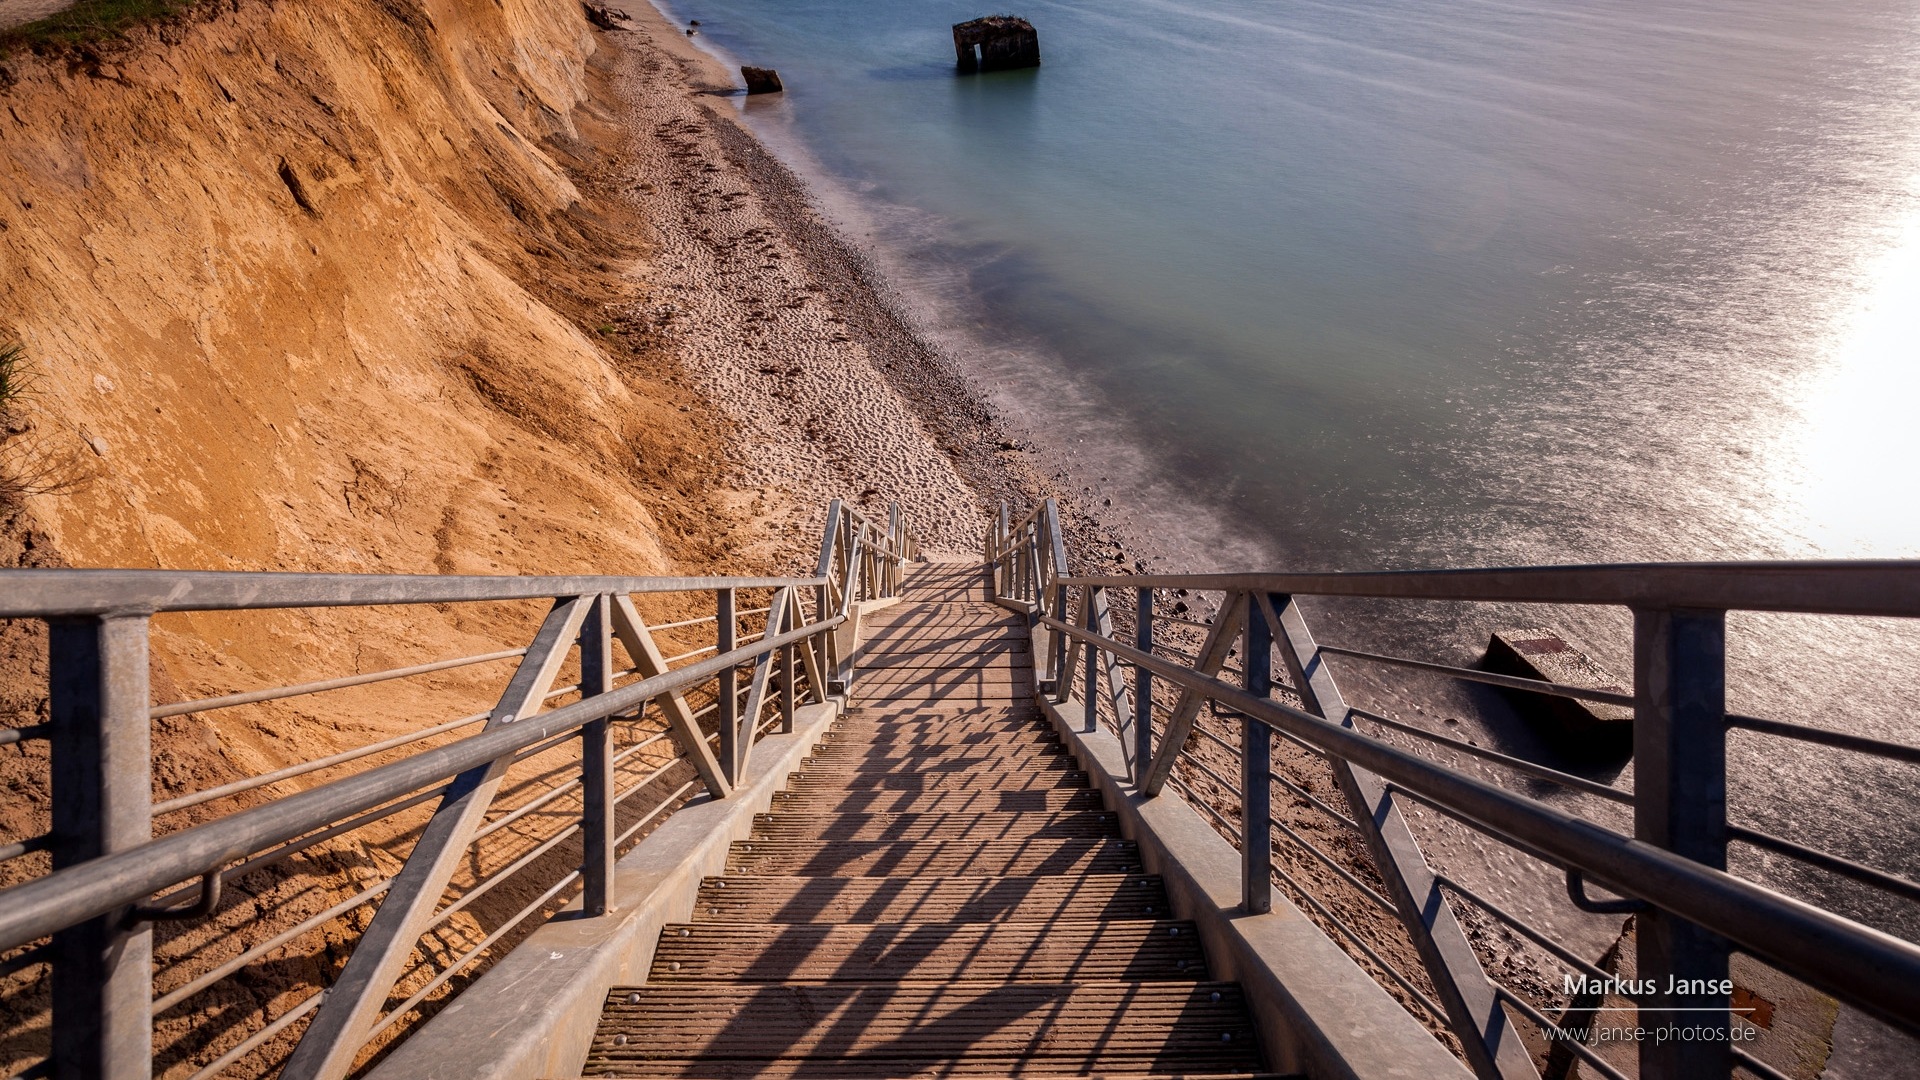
89	21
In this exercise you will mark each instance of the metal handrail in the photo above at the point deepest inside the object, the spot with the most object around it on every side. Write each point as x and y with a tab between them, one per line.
1832	953
36	908
1816	587
1674	866
54	594
108	863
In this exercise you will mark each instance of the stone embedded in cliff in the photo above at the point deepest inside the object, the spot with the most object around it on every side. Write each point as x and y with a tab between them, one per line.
761	80
996	43
604	17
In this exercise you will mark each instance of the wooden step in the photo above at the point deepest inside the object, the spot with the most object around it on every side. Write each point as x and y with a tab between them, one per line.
1017	655
928	899
856	1030
1027	733
1011	765
1050	952
1044	801
972	694
878	716
869	678
878	630
1010	756
993	858
902	827
1032	780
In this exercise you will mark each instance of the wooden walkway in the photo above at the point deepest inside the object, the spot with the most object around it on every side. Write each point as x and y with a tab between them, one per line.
938	892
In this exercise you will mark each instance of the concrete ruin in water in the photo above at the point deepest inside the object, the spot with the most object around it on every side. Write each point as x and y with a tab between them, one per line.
996	43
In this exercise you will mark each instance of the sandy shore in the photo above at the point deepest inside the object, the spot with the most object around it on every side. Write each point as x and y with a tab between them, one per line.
783	326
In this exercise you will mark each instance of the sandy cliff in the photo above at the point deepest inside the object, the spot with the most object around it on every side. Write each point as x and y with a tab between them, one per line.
326	287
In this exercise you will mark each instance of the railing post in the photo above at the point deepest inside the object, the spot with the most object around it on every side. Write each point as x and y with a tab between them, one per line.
1256	770
1004	545
1142	686
102	777
597	808
725	623
819	643
788	702
1680	803
1057	644
1091	598
896	543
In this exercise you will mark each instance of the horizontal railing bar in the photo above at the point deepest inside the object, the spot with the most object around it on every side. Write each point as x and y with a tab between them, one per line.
1193	797
1427	1003
57	593
1759	1068
1522	765
695	652
1826	950
252	1042
9	736
1310	797
251	697
1195	763
305	767
469	956
314	922
25	847
487	884
1328	861
239	786
1892	883
302	843
1828	737
1888	587
1526	1008
1510	682
207	979
39	954
36	908
683	622
665	804
1537	937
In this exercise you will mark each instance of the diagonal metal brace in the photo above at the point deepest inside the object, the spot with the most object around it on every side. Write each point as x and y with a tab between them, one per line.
339	1030
1491	1042
1213	657
648	661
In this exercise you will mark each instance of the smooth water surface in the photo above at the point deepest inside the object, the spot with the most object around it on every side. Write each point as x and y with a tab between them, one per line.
1459	282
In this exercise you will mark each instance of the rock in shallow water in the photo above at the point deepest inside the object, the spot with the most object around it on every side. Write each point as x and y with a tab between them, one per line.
761	80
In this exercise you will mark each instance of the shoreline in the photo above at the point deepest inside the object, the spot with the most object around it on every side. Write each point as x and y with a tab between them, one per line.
785	327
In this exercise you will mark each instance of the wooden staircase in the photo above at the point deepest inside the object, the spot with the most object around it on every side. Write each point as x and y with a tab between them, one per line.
938	892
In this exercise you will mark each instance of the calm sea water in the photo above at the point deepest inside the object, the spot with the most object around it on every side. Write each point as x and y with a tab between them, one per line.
1457	282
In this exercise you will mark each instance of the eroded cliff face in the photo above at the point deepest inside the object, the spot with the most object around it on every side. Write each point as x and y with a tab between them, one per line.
268	265
325	286
310	286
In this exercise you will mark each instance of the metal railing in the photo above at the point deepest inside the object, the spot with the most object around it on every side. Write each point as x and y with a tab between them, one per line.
538	792
1670	869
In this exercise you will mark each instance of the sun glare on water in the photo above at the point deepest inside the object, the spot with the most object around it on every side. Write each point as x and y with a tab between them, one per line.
1850	464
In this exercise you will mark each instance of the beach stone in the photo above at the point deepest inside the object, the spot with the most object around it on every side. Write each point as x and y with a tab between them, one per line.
603	17
761	80
996	43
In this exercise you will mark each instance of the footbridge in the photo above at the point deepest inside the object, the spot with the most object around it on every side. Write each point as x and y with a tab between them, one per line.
992	817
